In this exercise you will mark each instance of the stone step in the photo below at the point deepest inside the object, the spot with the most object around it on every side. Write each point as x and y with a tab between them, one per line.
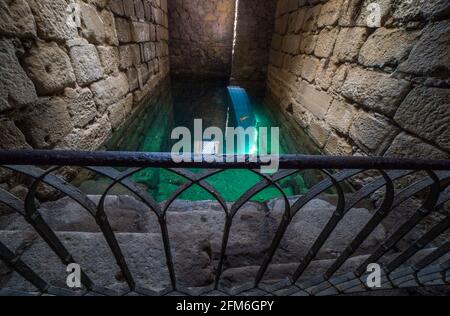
144	254
202	224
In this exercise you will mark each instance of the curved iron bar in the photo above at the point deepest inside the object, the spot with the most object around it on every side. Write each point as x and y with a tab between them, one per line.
427	207
251	192
75	194
34	218
302	201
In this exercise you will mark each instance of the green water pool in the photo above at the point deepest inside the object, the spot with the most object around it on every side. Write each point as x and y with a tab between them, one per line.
179	103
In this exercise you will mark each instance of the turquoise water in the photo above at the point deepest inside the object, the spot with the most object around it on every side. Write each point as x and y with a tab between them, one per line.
179	104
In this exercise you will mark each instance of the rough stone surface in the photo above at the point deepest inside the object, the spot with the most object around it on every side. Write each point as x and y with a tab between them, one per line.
375	91
16	19
81	106
86	63
12	137
106	92
16	89
120	110
408	146
430	56
51	20
93	26
426	112
340	116
372	131
349	42
109	57
387	47
46	123
50	69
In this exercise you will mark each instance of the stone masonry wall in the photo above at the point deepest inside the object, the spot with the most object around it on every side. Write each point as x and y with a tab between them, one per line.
201	37
360	90
255	23
70	85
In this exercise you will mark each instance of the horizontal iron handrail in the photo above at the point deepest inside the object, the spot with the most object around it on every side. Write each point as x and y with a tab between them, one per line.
164	160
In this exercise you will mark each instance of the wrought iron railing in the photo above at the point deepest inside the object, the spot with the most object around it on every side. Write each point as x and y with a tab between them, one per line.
429	180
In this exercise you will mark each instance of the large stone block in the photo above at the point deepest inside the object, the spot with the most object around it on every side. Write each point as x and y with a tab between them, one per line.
349	42
291	44
81	106
16	19
109	25
387	47
123	30
325	42
129	55
119	111
338	146
316	101
50	69
309	68
16	89
340	116
408	146
92	25
318	132
416	10
329	14
11	136
109	57
140	32
116	6
281	25
46	123
109	90
426	113
86	63
372	131
51	19
430	56
89	138
376	91
311	17
308	43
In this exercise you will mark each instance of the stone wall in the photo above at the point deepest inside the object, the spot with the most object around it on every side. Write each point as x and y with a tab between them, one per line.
255	23
360	90
70	85
201	37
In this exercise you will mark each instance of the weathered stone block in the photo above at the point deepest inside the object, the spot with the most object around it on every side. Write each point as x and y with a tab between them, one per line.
92	25
337	145
277	41
51	19
308	44
291	44
430	56
309	68
119	111
16	89
139	9
116	6
88	139
426	112
372	131
133	80
140	32
387	47
86	63
128	7
11	136
329	14
123	30
408	146
349	42
109	90
416	10
325	74
325	42
376	91
109	57
49	67
340	116
109	25
319	133
317	102
281	25
276	58
310	18
16	19
46	123
81	106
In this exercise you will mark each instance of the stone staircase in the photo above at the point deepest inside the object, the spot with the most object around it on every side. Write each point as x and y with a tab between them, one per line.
195	230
